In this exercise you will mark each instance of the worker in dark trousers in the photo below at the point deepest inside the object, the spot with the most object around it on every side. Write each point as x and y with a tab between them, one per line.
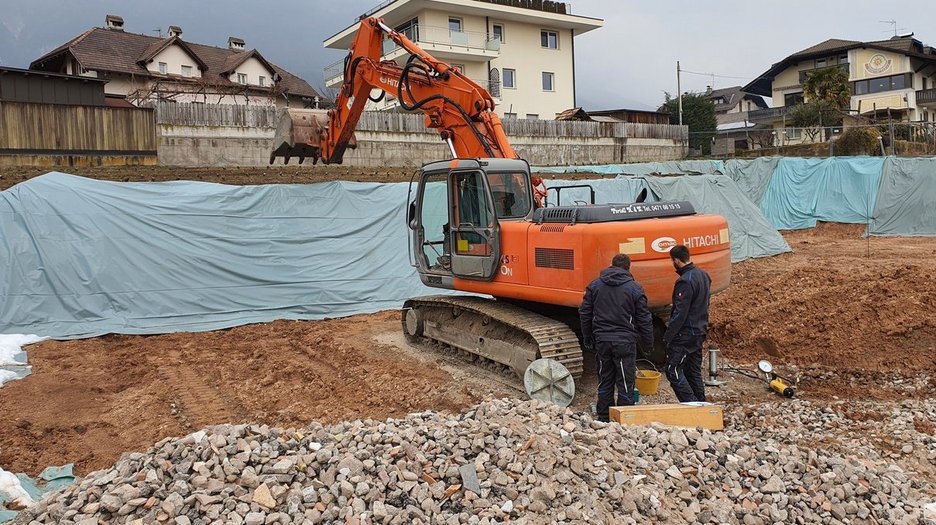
687	328
615	319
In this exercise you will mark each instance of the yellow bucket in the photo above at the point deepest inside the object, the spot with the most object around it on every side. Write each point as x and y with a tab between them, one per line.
648	382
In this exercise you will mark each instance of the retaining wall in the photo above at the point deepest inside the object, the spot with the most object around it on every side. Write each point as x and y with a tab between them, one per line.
206	135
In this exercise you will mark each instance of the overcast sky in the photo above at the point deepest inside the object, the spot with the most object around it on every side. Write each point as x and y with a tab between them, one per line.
630	62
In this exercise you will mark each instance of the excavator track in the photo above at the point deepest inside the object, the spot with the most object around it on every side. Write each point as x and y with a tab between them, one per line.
496	331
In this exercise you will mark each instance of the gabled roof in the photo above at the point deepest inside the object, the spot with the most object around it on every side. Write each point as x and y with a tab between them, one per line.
906	45
112	51
157	47
733	96
232	62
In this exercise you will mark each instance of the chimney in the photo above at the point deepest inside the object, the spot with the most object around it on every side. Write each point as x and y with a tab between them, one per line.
175	31
236	44
113	22
708	90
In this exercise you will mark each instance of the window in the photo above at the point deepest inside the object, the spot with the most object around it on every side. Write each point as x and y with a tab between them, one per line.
241	78
459	67
455	24
792	133
793	99
548	82
820	62
510	78
509	116
262	81
532	116
163	68
878	85
186	71
511	193
549	39
497	32
843	59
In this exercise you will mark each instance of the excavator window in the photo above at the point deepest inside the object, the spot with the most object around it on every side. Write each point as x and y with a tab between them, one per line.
511	193
471	213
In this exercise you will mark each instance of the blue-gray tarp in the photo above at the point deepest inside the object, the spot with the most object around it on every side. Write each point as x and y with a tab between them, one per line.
906	201
84	257
752	175
804	191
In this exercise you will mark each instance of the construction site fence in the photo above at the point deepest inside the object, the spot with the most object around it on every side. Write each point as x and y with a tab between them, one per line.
907	138
60	129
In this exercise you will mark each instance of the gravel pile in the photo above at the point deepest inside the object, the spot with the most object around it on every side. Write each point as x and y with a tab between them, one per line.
522	462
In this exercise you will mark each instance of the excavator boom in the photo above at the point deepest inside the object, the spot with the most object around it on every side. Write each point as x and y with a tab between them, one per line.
459	108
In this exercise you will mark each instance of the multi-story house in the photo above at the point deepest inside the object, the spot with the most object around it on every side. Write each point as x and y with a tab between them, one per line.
894	78
522	51
735	131
146	68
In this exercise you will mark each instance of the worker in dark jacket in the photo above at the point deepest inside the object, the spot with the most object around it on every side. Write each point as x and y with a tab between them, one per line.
687	328
615	318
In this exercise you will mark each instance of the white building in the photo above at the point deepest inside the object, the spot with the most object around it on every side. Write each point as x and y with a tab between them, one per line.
145	68
522	51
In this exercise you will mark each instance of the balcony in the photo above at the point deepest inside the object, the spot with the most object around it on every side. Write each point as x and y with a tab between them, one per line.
440	42
926	97
447	44
769	114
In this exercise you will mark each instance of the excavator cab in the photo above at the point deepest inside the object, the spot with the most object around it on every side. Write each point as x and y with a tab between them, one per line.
455	212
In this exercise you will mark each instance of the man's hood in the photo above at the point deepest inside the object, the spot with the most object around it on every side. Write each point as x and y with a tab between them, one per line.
615	276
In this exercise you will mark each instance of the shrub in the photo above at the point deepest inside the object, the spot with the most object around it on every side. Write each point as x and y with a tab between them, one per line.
858	141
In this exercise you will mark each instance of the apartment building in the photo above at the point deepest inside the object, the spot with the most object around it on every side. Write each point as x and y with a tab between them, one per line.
522	51
895	78
144	68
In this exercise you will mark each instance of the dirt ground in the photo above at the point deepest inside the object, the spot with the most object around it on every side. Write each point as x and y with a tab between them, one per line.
848	320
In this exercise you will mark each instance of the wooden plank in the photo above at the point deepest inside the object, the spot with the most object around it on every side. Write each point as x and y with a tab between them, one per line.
679	415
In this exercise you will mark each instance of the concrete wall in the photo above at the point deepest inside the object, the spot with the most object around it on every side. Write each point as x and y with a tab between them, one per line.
195	135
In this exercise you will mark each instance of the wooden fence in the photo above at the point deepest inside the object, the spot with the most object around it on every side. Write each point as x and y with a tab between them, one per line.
184	114
229	115
58	129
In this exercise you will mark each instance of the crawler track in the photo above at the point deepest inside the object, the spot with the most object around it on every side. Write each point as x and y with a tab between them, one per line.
493	330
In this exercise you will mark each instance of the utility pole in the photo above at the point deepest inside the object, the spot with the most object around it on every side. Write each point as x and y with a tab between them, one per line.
679	91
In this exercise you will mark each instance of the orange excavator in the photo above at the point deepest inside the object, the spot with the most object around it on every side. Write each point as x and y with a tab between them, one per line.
481	223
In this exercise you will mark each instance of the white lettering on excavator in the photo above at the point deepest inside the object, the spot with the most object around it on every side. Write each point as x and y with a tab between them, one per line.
392	82
701	241
506	271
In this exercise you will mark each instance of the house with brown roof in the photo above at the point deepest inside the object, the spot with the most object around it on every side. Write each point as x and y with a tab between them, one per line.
146	69
735	131
895	78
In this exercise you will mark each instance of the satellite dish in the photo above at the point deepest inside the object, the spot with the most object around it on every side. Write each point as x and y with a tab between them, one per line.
548	380
765	366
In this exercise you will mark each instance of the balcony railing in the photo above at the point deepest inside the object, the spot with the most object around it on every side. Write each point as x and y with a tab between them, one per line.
769	114
477	40
803	74
334	71
926	96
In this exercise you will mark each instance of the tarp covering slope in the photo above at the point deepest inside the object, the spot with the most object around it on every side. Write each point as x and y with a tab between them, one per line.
906	201
752	175
84	257
804	191
751	233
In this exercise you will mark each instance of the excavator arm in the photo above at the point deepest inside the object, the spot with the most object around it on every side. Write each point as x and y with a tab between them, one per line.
456	106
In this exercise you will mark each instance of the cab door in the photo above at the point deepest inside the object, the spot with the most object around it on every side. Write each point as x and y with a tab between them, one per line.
474	231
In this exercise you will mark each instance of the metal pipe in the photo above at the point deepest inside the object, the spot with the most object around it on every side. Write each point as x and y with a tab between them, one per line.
713	368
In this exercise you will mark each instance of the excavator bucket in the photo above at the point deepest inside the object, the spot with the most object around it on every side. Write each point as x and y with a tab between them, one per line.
299	134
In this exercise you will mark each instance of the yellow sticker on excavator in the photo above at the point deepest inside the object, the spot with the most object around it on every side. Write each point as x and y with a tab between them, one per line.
632	246
723	236
462	245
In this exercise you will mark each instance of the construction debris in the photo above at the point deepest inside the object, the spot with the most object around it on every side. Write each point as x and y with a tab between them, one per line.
417	470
